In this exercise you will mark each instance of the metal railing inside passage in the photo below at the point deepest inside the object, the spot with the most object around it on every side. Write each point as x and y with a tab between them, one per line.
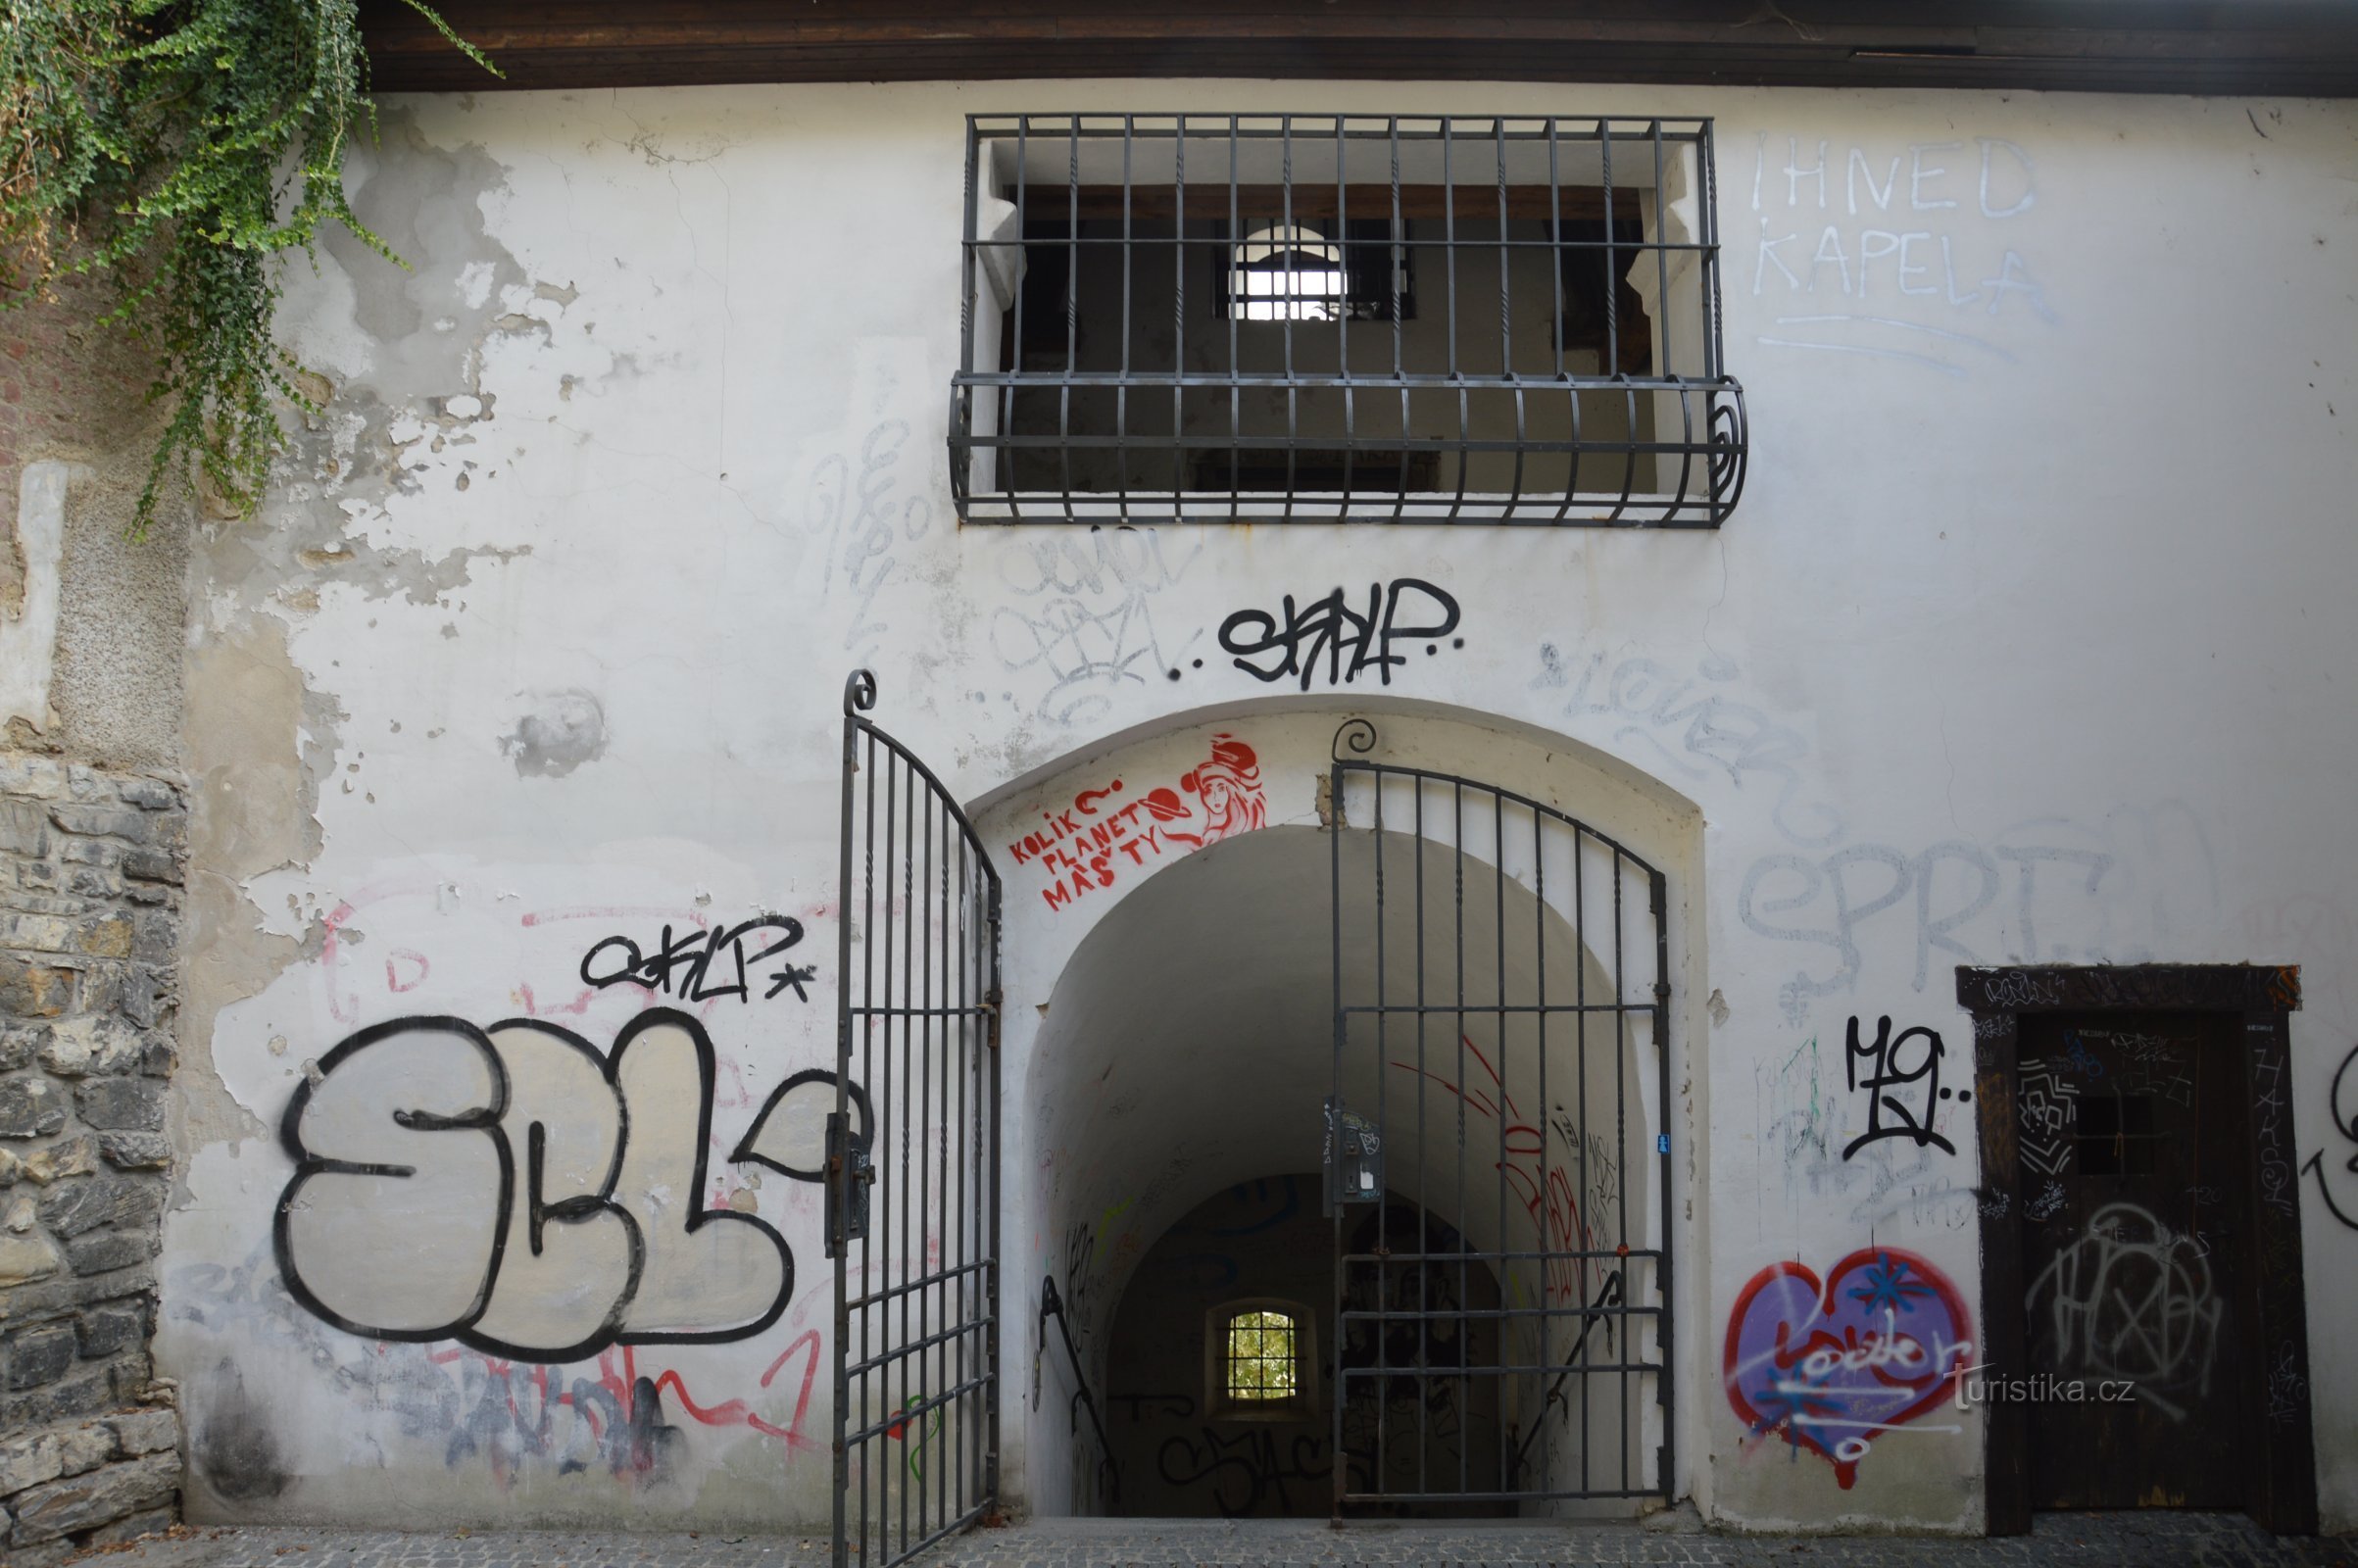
1343	317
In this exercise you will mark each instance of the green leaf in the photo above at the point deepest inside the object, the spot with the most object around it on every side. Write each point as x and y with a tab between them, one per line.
143	140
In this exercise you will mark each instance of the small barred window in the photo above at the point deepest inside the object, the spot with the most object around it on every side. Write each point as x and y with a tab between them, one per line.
1261	1361
1261	1358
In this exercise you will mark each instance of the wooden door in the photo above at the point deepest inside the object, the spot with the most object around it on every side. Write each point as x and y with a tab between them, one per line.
2136	1211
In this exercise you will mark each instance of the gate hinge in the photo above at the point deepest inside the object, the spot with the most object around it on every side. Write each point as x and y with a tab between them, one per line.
1661	992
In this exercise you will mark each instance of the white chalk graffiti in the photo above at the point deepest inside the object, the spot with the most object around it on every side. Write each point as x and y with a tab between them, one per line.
1904	255
2130	1299
2050	1112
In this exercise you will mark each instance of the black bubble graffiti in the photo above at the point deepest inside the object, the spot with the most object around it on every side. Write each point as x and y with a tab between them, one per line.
522	1191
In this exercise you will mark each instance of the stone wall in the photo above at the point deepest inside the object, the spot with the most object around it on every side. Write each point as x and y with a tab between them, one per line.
90	876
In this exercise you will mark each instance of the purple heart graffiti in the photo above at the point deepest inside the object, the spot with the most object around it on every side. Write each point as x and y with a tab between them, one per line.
1836	1366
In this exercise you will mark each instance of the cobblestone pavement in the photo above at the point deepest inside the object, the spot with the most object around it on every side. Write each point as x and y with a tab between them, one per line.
2208	1541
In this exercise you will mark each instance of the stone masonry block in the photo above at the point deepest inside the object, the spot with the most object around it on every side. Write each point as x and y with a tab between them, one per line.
90	852
86	1392
147	1431
145	993
27	1257
48	1555
38	1357
31	1106
93	884
86	1447
30	989
47	1299
84	1502
132	1151
22	773
154	1522
109	936
101	1253
152	865
107	1329
155	936
68	1157
92	1046
149	793
49	895
30	1460
24	828
41	933
111	1104
104	822
74	1209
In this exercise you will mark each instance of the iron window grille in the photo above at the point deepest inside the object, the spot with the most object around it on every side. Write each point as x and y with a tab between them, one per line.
1217	318
1259	1361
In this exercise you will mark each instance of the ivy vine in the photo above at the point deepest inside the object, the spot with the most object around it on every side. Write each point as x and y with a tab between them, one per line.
179	149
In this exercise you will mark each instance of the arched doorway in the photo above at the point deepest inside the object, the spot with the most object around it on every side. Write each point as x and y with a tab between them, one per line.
1188	1044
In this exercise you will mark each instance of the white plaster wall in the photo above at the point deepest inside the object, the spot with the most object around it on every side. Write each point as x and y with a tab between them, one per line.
2035	588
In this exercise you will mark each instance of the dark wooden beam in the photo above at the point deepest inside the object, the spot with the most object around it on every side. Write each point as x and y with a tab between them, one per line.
2256	47
1052	202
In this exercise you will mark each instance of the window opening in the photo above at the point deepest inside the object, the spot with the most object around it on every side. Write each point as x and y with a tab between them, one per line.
1261	1361
1294	318
1259	1358
2116	1136
1289	273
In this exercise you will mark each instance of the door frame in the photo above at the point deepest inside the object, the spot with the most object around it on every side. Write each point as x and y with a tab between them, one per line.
2279	1468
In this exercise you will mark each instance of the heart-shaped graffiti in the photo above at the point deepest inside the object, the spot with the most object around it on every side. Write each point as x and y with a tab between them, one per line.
1836	1366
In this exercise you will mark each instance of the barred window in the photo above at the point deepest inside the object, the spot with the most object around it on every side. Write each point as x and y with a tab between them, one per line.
1261	1361
1181	319
1260	1357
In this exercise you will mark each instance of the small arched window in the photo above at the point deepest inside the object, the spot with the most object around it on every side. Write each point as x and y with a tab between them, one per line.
1259	1361
1288	273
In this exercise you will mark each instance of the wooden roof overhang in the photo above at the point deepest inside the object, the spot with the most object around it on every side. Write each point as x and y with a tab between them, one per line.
2273	48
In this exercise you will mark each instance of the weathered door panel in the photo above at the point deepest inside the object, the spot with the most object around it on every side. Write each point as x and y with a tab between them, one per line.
2137	1217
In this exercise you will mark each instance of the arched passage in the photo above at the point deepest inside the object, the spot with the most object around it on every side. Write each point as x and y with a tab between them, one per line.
1182	1042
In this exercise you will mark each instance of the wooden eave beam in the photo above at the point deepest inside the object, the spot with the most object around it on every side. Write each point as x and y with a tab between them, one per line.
2273	48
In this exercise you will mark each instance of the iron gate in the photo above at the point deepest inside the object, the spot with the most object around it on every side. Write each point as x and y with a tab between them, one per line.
913	1157
1500	1039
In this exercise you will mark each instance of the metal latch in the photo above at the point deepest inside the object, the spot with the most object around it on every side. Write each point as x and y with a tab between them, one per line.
1353	1159
850	1175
